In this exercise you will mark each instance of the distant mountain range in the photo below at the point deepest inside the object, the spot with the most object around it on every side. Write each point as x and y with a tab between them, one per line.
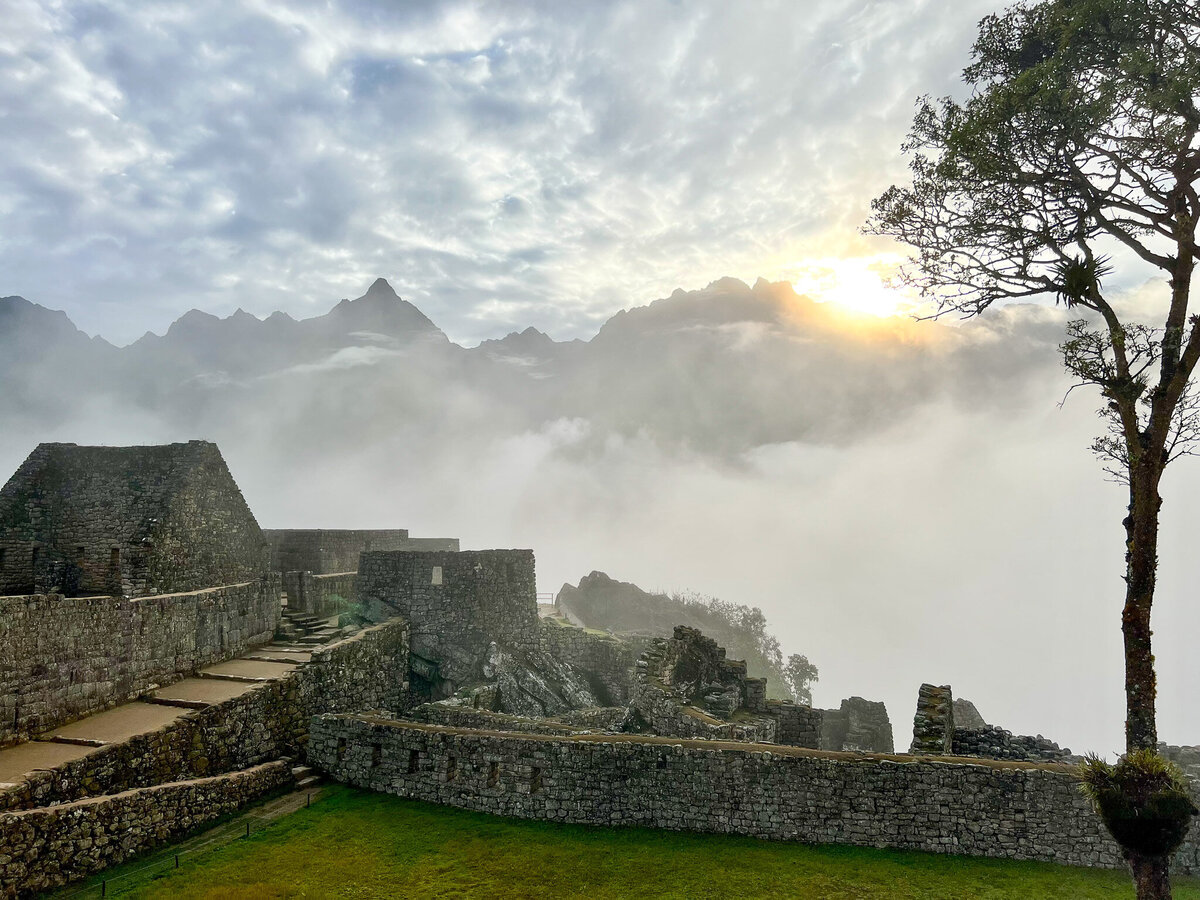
715	372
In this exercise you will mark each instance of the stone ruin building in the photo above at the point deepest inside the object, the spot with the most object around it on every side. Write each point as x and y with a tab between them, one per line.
131	521
164	658
946	726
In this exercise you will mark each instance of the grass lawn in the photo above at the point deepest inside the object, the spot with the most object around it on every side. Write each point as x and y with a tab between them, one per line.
357	844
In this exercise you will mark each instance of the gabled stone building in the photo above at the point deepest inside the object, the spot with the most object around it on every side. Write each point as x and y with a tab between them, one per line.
130	521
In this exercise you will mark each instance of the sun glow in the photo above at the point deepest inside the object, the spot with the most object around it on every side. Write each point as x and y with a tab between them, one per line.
857	284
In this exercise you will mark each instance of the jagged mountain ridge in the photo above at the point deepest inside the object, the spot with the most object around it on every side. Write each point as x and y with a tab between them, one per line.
716	371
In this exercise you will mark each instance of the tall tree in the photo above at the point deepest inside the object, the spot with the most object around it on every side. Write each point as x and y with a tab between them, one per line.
1076	151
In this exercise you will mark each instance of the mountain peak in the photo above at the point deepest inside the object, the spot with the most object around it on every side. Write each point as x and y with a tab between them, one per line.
381	288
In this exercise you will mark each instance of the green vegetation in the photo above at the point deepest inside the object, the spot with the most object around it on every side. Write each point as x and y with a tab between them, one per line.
358	844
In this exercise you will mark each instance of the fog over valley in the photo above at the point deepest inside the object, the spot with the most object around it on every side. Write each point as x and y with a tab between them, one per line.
906	501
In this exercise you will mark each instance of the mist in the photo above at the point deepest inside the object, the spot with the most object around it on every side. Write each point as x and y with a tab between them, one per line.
905	501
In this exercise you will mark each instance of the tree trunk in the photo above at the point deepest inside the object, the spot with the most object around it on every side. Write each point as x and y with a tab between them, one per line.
1141	558
1151	876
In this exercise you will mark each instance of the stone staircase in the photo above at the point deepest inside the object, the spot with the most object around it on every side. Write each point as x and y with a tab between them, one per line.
303	629
306	777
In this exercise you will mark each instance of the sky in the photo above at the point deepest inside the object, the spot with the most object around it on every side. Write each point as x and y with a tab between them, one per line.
548	164
503	165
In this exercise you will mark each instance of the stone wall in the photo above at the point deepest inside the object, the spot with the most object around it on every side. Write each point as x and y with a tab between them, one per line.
363	672
51	847
996	743
857	724
132	521
71	656
324	551
685	686
609	659
1006	810
457	603
933	723
320	595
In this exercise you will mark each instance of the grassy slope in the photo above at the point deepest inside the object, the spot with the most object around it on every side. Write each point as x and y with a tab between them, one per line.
358	844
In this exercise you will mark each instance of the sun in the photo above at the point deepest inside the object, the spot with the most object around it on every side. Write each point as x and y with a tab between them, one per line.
854	284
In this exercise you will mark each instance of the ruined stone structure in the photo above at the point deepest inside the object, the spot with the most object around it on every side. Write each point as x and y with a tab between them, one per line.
458	605
328	551
936	732
976	807
858	724
687	688
131	521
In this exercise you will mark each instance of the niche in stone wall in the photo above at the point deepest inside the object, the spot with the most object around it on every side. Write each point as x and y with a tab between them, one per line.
451	768
535	780
436	578
3	558
493	774
376	755
414	761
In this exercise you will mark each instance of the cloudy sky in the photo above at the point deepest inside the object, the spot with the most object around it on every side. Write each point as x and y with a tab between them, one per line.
502	164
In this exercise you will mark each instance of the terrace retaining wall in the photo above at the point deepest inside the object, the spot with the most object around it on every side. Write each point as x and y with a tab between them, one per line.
1008	810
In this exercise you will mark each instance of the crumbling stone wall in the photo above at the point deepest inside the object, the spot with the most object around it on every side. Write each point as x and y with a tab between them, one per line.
67	657
1005	810
859	725
610	660
685	686
367	671
933	724
1187	758
325	551
458	605
54	846
996	743
132	521
320	595
936	732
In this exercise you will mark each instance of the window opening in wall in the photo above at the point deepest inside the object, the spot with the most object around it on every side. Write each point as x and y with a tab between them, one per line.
80	553
341	749
493	774
662	761
3	558
451	768
376	755
535	780
437	575
34	557
114	558
414	761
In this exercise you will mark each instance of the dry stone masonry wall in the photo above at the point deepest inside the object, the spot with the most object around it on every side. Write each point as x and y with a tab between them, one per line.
609	659
133	521
1000	810
320	595
458	605
41	849
66	657
324	551
364	672
937	732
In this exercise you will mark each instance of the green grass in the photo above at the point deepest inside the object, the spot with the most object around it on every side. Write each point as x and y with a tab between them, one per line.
358	844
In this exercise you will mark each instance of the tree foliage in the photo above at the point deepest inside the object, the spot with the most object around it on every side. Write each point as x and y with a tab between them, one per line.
1078	152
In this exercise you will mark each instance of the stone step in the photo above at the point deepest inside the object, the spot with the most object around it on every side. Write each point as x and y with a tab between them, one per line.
219	676
310	781
78	742
168	701
301	771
